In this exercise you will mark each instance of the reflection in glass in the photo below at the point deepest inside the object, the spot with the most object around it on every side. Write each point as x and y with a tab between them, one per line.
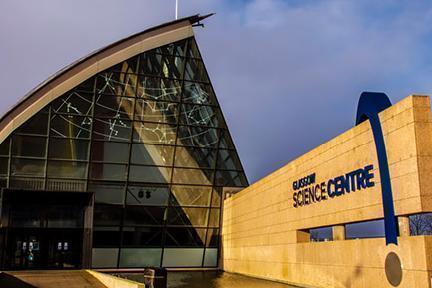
142	237
27	167
185	237
193	176
195	157
37	125
68	149
154	133
70	126
190	195
149	174
29	146
146	154
156	111
188	216
134	257
67	169
197	136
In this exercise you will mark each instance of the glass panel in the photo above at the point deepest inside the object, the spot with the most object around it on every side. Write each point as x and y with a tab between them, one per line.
188	216
29	146
176	49
200	115
150	64
113	83
108	171
193	176
420	224
230	178
142	215
25	218
4	148
193	50
195	157
195	71
198	93
212	238
147	195
108	193
225	140
216	197
159	89
4	165
211	258
154	133
190	195
69	149
65	217
110	152
107	215
69	126
128	66
367	229
37	125
27	167
321	234
87	85
112	130
228	159
104	257
132	257
172	67
147	154
183	257
67	169
155	111
106	237
142	236
214	218
115	107
149	174
197	136
185	237
74	103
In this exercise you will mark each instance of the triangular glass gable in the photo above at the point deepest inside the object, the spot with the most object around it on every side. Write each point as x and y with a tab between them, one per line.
148	137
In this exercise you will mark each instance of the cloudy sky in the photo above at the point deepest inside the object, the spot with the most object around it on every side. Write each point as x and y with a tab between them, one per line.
288	74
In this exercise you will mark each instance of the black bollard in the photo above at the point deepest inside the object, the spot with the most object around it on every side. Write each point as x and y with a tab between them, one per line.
155	277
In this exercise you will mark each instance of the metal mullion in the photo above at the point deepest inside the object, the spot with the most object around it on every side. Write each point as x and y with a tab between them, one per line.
47	147
9	163
122	220
174	155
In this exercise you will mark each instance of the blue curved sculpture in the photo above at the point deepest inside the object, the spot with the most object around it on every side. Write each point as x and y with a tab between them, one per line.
370	104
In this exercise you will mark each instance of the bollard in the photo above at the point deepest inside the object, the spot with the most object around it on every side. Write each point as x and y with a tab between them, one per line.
149	277
155	277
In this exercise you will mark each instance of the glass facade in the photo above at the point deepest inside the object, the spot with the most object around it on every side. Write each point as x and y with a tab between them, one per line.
148	138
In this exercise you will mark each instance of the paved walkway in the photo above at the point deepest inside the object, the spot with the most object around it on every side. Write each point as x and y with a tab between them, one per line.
50	279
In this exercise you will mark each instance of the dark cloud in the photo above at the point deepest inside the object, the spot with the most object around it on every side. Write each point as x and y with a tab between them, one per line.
287	73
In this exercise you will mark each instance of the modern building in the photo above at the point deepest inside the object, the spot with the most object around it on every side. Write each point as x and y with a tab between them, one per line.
119	160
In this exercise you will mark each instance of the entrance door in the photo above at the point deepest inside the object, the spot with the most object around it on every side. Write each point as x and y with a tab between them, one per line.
26	251
45	248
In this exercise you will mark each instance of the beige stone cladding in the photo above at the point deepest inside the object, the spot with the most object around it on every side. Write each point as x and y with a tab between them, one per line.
265	236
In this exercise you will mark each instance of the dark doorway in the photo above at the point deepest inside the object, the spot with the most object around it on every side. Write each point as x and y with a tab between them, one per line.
44	229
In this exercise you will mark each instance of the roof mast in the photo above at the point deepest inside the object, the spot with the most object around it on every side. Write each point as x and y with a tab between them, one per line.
176	10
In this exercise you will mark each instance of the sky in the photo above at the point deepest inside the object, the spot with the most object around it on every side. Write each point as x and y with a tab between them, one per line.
288	74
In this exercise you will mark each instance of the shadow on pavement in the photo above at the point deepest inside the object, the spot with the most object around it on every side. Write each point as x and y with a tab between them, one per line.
9	281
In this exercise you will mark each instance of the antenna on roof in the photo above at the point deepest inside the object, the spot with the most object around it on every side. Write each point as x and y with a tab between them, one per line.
176	10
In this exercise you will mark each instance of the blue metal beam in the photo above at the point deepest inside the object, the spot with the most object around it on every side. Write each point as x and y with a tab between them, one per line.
370	104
